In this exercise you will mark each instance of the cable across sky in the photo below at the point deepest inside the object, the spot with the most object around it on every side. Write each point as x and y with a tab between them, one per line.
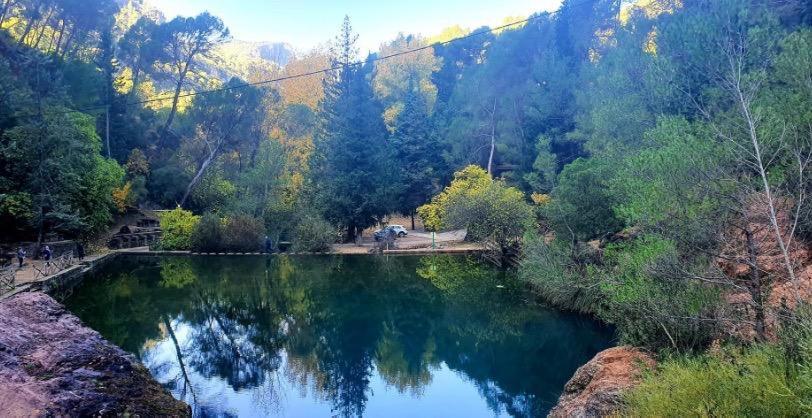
371	59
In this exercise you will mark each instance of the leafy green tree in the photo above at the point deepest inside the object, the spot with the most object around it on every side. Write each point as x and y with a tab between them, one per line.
261	186
139	49
186	40
223	119
582	206
456	57
613	110
56	160
207	235
545	167
400	76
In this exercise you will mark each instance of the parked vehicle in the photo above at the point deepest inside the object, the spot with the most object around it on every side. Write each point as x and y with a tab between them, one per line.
396	230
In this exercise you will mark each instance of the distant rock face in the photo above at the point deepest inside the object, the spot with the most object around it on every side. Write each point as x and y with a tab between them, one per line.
276	52
53	365
596	388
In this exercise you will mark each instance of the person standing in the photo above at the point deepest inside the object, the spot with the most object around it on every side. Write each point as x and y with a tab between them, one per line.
46	255
80	251
268	245
20	256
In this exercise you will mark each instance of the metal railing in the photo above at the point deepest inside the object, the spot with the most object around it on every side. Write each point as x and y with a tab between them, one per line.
7	276
54	265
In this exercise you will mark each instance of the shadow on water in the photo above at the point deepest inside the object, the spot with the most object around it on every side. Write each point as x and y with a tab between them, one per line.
339	335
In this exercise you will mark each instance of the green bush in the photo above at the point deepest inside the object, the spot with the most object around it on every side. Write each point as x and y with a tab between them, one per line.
177	226
624	287
752	383
313	234
243	233
208	234
556	273
649	309
768	380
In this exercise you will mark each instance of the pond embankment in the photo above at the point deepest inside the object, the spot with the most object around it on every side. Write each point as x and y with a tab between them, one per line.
596	389
51	364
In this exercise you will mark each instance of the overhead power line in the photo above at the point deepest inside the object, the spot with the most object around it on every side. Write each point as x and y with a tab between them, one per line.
342	66
372	59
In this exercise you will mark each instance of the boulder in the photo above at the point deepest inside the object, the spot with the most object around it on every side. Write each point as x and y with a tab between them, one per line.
53	365
597	387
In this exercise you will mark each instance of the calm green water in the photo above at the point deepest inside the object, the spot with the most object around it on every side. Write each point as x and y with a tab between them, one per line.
322	336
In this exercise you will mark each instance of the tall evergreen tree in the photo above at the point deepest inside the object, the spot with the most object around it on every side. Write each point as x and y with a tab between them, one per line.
415	150
351	174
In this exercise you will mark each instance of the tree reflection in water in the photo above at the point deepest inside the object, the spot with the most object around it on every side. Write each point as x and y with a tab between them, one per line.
338	330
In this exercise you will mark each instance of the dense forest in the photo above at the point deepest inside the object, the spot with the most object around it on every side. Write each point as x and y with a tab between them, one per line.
651	156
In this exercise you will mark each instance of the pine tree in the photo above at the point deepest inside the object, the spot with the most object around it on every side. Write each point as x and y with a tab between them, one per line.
415	151
351	172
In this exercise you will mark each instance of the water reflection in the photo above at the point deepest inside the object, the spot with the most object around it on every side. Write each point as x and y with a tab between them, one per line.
348	336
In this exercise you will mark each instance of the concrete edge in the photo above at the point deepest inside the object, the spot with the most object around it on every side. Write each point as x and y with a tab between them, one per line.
71	276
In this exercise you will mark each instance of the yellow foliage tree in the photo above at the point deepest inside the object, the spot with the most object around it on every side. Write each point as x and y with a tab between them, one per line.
122	196
468	181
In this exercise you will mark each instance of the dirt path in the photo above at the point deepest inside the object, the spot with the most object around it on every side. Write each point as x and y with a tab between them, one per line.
36	270
415	240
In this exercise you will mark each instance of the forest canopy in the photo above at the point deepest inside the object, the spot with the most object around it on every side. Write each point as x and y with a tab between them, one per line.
571	109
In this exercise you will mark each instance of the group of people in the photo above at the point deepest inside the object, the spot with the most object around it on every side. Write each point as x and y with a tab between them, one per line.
46	253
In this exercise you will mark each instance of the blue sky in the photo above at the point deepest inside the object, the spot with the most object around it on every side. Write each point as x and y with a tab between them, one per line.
307	23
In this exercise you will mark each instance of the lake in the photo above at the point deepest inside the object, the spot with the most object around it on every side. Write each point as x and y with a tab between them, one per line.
320	336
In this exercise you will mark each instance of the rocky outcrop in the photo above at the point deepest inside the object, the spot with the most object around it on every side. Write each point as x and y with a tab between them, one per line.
53	365
597	387
735	263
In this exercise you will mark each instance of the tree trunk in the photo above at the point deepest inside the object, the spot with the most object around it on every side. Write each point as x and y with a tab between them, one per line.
493	138
412	220
197	176
40	232
351	232
174	109
755	286
44	27
6	6
27	29
40	35
67	43
59	37
179	354
756	143
107	127
136	74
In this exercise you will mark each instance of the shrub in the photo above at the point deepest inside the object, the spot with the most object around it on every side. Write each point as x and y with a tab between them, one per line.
208	234
622	287
177	226
651	310
123	197
487	208
280	219
243	233
554	271
750	383
313	234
